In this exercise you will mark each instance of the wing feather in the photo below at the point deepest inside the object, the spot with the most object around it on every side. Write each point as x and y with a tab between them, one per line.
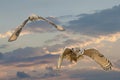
17	32
60	28
15	35
65	54
99	58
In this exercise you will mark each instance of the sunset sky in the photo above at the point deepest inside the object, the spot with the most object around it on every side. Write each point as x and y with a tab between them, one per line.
88	24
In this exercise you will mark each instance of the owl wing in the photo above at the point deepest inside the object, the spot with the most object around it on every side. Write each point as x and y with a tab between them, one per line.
17	32
98	58
58	27
15	35
65	54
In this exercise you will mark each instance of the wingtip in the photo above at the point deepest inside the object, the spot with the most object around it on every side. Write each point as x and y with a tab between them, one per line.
108	67
60	28
10	40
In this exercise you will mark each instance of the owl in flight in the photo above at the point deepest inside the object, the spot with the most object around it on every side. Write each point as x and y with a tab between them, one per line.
33	17
74	54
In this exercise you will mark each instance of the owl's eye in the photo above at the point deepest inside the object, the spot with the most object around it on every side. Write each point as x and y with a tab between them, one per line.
101	55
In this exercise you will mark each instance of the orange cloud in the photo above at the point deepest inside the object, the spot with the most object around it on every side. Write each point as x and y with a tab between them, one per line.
116	69
4	35
3	74
9	33
109	38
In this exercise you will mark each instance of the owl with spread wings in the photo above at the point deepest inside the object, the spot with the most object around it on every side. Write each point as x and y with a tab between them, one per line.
33	17
74	54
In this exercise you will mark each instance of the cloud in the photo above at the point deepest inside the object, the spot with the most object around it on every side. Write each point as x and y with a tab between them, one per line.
99	23
4	46
4	35
1	55
22	75
9	33
49	72
95	75
82	41
44	67
106	44
27	57
42	60
3	74
66	18
29	54
46	73
117	65
25	52
58	38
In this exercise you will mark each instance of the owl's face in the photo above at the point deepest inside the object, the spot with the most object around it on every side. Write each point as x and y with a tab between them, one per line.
76	50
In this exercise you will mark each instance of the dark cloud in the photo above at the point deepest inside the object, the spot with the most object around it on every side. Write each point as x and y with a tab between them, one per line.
27	55
1	55
46	59
99	23
22	53
66	16
49	72
22	75
64	19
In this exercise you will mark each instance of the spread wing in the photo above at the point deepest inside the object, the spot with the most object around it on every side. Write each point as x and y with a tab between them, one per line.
58	27
65	54
99	58
17	32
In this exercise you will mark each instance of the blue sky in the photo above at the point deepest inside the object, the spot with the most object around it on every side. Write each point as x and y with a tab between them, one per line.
13	12
88	24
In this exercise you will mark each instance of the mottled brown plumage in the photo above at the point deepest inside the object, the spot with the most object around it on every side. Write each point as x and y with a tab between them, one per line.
92	53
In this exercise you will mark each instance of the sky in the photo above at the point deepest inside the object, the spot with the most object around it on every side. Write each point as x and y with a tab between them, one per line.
34	55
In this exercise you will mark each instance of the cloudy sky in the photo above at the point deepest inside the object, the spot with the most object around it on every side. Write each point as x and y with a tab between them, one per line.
34	55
